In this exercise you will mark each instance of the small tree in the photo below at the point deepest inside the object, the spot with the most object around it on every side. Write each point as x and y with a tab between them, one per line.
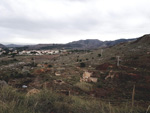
80	60
99	55
13	55
50	65
82	64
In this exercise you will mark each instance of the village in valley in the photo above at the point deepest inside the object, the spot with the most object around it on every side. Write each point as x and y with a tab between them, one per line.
12	51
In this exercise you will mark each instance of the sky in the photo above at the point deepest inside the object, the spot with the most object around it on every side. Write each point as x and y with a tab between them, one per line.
63	21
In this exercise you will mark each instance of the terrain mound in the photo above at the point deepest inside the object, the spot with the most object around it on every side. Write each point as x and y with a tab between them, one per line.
144	39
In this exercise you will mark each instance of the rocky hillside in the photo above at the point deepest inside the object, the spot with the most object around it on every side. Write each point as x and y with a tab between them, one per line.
95	43
89	43
112	43
145	39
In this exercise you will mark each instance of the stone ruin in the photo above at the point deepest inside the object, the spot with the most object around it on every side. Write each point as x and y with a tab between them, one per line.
87	77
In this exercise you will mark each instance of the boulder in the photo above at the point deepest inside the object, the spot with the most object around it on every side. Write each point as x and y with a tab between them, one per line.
60	82
32	92
57	74
3	83
24	86
86	75
92	79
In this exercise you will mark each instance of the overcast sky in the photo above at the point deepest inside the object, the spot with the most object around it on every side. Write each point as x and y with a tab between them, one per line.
62	21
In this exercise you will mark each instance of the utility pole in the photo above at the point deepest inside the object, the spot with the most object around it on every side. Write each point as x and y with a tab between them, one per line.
33	60
101	52
118	60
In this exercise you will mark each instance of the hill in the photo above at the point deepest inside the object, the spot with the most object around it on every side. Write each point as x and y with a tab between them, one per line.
88	44
112	43
145	39
81	44
2	46
114	80
38	46
14	45
95	43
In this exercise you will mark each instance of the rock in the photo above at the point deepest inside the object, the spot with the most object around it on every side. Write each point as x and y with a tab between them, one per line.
39	71
87	77
24	86
60	82
39	65
32	92
111	75
92	79
3	83
21	63
57	74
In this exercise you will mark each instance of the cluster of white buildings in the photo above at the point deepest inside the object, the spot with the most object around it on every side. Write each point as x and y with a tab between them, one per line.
2	51
39	52
32	52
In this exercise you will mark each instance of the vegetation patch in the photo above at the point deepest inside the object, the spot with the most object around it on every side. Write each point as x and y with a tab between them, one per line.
84	86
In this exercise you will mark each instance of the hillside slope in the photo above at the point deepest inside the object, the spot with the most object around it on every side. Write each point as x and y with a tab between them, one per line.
2	46
116	81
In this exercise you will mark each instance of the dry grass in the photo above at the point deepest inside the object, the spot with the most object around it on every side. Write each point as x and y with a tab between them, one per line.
84	86
47	102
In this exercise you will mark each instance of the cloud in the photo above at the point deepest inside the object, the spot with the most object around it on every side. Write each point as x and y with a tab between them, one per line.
61	21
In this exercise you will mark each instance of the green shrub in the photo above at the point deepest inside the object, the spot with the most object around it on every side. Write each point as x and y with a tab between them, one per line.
99	55
82	64
80	60
113	58
50	65
84	86
100	83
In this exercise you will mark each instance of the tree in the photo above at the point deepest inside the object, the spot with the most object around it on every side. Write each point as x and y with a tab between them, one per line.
82	64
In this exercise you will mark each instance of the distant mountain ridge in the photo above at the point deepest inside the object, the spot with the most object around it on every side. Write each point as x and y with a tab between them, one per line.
88	44
14	45
112	43
2	46
81	44
95	43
